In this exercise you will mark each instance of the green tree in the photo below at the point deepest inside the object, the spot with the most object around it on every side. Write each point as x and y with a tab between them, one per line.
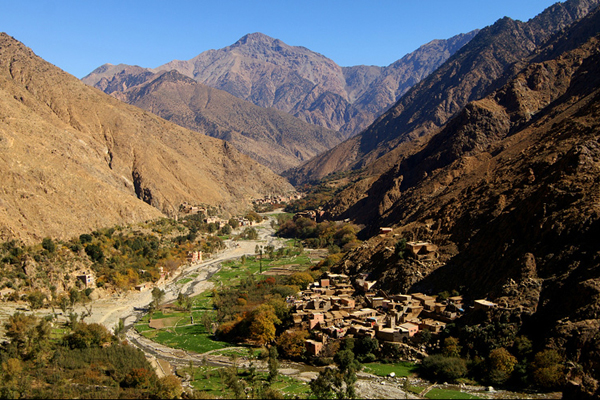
451	347
234	223
400	248
325	384
36	299
74	296
157	296
273	364
348	367
338	383
94	251
119	329
443	369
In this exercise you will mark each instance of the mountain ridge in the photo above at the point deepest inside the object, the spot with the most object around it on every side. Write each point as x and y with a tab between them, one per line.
467	75
306	84
271	137
75	159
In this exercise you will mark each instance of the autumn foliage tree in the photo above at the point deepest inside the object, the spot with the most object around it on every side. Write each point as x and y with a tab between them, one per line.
262	327
291	344
501	365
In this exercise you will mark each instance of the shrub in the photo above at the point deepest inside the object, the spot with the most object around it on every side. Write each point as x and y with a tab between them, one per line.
49	245
444	369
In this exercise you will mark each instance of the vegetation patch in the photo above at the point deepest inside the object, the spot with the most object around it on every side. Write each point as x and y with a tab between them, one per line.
437	393
401	369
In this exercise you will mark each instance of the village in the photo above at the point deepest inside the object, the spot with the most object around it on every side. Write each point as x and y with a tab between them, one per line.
334	307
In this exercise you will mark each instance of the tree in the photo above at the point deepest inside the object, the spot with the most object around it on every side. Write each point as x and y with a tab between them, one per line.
20	329
273	364
157	296
207	320
119	329
36	299
234	223
501	365
88	335
348	367
259	251
337	383
444	369
323	386
400	247
300	279
365	348
451	347
94	251
262	327
291	344
226	229
168	387
547	369
74	296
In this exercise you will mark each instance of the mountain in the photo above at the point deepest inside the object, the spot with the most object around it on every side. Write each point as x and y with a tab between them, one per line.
74	159
471	73
271	137
305	84
509	190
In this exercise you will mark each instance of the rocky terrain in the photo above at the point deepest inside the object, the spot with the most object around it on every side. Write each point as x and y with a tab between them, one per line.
509	191
271	137
74	159
305	84
471	73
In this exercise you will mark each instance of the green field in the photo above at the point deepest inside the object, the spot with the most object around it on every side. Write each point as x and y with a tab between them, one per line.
436	393
400	369
211	381
189	337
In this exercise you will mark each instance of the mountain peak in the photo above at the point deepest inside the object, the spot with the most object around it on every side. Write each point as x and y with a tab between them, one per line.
255	38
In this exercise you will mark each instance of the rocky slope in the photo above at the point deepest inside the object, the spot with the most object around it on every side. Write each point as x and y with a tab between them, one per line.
471	73
510	191
271	137
74	159
270	73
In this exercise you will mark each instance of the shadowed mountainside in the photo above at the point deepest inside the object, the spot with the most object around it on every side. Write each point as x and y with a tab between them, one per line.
471	73
509	190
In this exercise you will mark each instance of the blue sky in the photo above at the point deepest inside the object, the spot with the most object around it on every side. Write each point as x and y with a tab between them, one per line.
78	36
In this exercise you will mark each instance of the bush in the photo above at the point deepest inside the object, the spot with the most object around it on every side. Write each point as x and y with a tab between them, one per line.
49	245
444	369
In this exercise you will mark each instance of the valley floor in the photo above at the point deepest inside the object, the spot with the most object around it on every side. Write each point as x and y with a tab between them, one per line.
130	307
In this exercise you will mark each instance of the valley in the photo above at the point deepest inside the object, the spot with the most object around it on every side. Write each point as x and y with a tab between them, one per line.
258	221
